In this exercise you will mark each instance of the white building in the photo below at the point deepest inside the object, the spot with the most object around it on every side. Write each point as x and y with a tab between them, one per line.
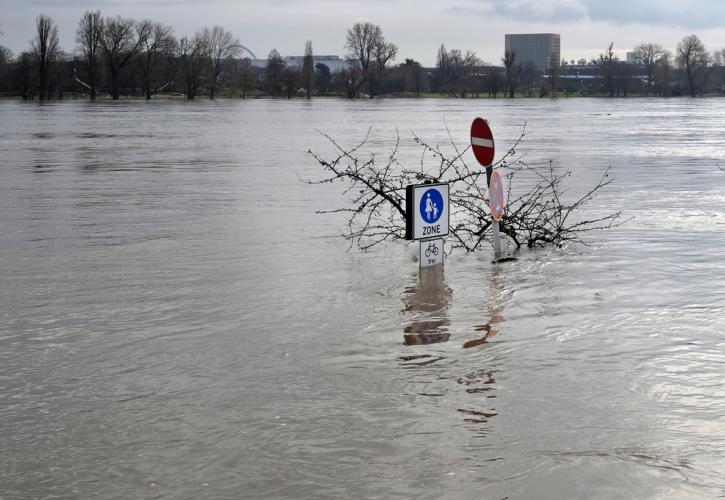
335	63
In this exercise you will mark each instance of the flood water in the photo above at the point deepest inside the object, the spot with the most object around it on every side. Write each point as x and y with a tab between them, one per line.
177	322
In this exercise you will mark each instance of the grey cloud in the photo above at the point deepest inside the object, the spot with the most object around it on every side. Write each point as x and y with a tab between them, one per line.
524	10
686	14
692	14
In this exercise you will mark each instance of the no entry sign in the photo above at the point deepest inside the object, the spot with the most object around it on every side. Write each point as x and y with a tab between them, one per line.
482	142
495	196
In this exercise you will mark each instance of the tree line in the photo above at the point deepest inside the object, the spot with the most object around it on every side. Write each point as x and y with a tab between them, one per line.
117	56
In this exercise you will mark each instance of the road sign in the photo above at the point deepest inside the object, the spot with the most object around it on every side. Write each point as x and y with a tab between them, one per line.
482	142
431	252
495	195
427	211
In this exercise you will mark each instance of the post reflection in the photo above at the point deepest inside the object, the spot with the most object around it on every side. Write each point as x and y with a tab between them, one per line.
480	382
428	300
493	309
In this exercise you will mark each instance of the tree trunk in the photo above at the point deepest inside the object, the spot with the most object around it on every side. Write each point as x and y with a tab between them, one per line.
115	86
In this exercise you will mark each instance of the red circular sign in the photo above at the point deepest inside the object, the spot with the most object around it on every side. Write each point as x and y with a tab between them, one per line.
495	195
482	142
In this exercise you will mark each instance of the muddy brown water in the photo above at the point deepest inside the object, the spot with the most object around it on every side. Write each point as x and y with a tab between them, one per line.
176	321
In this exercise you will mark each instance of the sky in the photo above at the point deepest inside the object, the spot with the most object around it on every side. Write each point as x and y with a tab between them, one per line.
418	27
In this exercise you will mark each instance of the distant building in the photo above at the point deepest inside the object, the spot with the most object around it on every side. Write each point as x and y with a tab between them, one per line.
633	58
335	63
543	49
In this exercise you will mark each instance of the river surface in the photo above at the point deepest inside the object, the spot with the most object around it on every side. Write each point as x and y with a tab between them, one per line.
176	321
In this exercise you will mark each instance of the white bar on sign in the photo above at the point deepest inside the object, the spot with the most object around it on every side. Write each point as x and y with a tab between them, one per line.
431	252
480	141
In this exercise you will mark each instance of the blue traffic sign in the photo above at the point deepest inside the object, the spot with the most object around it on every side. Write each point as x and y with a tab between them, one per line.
431	206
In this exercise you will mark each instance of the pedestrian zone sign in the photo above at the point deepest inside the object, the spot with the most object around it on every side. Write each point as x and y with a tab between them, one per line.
427	211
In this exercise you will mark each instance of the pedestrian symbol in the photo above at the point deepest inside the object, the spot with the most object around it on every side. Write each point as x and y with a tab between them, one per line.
427	212
431	206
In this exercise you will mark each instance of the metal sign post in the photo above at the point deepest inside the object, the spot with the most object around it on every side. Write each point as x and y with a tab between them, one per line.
484	150
496	204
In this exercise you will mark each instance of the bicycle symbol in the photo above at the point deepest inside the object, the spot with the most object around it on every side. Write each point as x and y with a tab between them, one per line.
431	250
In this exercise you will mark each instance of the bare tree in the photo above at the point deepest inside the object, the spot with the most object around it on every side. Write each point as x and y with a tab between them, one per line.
494	81
6	56
46	52
308	70
88	37
350	80
529	76
383	53
694	59
247	76
537	215
222	47
192	63
123	39
26	75
290	81
649	54
443	70
158	43
663	74
607	69
367	47
413	74
718	57
273	74
512	72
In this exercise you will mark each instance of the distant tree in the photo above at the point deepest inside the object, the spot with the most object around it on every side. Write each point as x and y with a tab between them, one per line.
368	53
46	52
649	54
469	65
663	74
693	58
159	43
290	81
554	72
192	63
323	77
349	80
247	76
308	70
6	56
123	39
443	70
607	69
457	72
413	75
25	75
383	53
529	76
88	37
494	81
512	72
221	48
273	75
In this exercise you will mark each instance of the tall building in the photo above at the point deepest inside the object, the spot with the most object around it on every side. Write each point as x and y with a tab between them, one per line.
543	49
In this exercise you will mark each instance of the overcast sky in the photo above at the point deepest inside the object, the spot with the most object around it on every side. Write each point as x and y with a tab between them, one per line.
418	27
